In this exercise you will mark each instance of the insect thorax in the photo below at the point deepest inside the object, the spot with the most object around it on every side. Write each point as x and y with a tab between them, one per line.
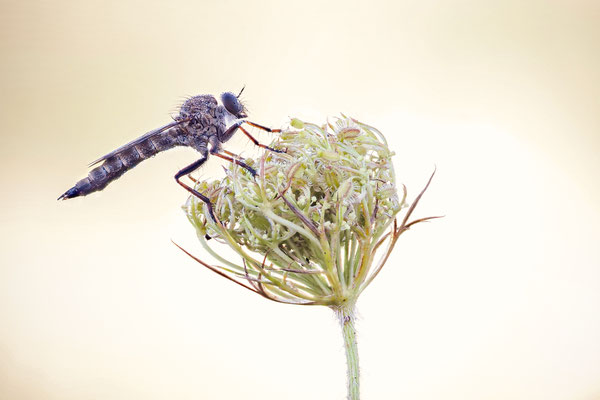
203	113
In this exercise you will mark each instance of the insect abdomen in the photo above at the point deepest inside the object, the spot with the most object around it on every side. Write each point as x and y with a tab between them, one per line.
116	165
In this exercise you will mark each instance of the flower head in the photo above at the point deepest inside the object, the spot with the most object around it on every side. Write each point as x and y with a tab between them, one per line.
318	222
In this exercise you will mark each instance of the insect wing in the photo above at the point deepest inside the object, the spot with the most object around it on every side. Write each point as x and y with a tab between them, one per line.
154	132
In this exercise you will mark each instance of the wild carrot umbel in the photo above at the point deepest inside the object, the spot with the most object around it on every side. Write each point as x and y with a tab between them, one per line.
316	225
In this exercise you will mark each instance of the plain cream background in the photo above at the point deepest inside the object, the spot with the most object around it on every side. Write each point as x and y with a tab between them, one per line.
499	300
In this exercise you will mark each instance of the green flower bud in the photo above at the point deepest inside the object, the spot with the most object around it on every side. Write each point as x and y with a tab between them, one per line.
296	123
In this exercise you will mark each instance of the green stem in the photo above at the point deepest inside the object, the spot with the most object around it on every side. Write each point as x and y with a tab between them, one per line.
346	318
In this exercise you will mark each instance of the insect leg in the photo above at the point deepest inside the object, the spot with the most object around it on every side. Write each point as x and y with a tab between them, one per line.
256	141
187	170
230	153
191	178
264	128
236	161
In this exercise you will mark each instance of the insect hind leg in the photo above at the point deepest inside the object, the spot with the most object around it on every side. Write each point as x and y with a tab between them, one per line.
189	169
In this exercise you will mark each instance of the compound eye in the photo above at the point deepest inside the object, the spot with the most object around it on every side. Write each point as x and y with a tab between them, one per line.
231	103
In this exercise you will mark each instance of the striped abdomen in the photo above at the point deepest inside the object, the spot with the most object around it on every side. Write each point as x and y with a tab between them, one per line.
125	158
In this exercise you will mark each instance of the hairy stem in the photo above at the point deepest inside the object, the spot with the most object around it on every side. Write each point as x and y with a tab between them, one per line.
346	317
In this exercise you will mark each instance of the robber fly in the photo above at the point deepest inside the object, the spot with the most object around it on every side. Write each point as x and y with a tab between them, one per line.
201	122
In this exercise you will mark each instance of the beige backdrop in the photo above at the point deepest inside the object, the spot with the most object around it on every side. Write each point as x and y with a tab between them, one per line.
499	300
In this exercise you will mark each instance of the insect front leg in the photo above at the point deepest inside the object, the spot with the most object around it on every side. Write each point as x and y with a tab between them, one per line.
256	142
189	169
264	128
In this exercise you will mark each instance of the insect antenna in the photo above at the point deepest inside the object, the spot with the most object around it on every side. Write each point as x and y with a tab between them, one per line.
243	87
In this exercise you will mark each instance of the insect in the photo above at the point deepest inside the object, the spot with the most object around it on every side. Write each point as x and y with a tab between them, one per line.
201	122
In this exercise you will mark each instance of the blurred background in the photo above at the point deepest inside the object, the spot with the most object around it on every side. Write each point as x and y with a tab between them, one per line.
498	300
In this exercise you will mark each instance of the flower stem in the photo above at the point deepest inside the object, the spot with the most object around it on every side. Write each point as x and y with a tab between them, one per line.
346	318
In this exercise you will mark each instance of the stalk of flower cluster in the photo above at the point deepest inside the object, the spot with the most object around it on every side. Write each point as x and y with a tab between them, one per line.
317	224
345	316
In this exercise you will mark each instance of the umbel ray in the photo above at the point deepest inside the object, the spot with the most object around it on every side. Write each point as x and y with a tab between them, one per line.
201	122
